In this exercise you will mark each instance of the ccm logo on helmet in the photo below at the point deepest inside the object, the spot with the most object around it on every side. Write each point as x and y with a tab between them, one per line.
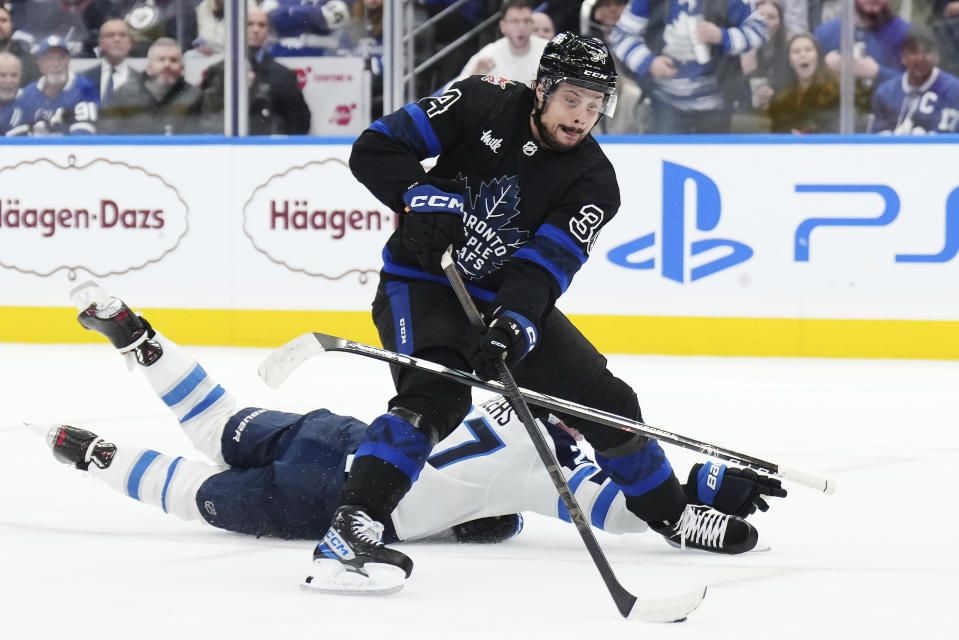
593	74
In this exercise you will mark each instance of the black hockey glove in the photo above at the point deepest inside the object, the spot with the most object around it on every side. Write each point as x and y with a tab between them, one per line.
433	221
508	338
738	492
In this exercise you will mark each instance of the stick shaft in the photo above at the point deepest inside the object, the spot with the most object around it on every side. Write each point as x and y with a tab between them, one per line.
624	599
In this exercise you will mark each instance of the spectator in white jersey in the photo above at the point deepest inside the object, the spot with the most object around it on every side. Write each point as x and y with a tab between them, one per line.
114	44
685	55
924	99
279	474
60	102
516	55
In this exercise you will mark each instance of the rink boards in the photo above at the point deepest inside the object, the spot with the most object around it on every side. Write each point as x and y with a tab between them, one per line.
769	245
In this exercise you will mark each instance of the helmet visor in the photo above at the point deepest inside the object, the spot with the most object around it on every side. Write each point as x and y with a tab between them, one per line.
604	104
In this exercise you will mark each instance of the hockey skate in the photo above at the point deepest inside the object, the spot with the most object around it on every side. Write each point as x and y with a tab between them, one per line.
701	527
352	559
489	530
79	447
113	319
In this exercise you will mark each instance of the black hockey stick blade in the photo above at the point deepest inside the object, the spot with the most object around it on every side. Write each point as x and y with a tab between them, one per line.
278	366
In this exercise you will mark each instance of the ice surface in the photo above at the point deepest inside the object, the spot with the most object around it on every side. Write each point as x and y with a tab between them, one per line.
879	559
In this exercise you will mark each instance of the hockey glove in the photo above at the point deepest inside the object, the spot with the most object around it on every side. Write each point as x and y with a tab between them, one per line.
508	338
738	492
432	222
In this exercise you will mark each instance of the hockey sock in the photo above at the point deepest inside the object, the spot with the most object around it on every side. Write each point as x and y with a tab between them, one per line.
200	404
652	490
157	479
386	465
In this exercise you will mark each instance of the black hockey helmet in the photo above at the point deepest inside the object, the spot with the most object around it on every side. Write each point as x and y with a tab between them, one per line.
581	61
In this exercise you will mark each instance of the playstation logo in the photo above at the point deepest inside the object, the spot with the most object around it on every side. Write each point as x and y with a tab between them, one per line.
673	237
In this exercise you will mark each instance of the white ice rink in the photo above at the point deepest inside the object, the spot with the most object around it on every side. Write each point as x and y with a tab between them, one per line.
877	560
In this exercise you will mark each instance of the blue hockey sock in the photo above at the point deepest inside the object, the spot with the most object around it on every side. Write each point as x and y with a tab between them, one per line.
397	442
639	472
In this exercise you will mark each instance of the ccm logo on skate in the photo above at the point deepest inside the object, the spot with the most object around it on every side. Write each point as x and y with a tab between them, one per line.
335	544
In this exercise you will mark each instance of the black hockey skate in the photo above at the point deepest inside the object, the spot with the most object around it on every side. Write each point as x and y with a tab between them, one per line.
701	527
79	447
113	319
352	558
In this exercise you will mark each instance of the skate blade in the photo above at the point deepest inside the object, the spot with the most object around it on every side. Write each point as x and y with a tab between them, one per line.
672	609
330	576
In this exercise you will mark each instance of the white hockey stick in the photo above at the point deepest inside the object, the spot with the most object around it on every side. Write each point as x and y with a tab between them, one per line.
282	362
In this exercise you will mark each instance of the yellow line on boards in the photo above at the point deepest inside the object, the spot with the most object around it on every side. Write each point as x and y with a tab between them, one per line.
781	337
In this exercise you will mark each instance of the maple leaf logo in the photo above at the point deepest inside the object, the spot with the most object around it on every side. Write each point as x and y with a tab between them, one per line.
490	238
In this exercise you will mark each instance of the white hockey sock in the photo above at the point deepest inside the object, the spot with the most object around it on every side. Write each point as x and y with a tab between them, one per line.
157	479
200	404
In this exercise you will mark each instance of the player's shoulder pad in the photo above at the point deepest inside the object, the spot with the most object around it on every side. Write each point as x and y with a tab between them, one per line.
477	94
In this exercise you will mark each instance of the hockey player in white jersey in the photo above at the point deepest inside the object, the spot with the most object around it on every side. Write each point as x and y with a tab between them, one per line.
280	474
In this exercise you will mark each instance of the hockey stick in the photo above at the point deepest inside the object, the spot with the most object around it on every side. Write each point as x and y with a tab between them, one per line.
278	366
667	610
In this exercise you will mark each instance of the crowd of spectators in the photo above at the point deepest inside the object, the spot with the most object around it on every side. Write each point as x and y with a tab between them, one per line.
687	66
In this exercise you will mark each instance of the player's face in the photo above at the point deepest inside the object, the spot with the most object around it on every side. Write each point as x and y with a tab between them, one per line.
919	61
9	78
569	114
257	28
769	13
165	64
517	25
115	41
54	66
803	57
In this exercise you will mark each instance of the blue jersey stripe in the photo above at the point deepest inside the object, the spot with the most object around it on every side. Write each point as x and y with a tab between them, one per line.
210	398
422	122
185	387
533	255
603	502
412	272
136	473
166	484
399	295
574	483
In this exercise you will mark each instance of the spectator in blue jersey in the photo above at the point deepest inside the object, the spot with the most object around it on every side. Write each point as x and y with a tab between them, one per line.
160	101
28	65
877	54
306	27
685	54
60	102
924	99
10	114
810	101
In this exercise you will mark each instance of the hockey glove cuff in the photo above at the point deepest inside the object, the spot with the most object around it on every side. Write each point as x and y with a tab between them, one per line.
432	222
732	490
508	338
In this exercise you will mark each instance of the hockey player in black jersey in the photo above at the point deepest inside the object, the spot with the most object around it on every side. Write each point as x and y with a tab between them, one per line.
521	190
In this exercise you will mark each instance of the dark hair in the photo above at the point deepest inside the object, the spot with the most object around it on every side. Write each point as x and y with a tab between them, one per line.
920	36
513	4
